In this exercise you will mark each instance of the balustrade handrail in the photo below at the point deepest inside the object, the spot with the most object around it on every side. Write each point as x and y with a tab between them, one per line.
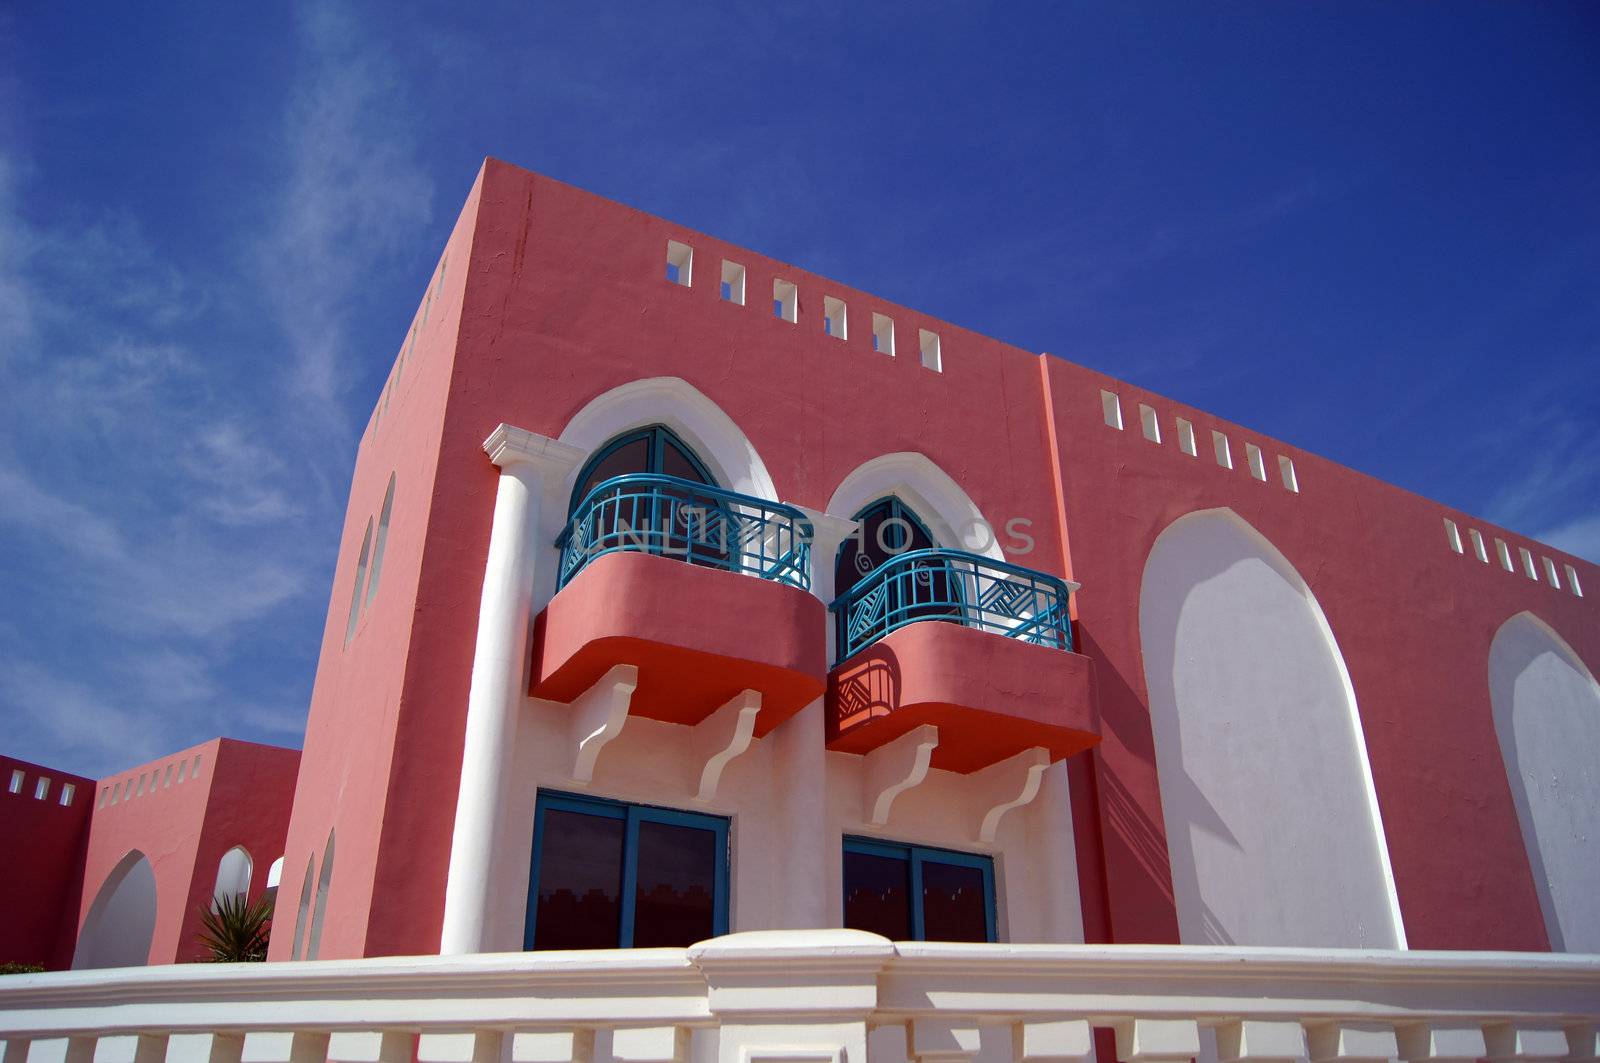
672	517
956	586
749	990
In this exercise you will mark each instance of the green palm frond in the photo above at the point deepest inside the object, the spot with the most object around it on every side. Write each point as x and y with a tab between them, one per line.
235	931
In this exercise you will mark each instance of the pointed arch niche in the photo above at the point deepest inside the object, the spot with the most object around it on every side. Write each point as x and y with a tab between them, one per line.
1547	717
1271	818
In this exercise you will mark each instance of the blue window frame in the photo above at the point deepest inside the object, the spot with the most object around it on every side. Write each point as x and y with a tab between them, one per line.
656	449
607	874
917	893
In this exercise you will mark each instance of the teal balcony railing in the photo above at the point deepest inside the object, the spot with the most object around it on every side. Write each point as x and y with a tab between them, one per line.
651	513
955	587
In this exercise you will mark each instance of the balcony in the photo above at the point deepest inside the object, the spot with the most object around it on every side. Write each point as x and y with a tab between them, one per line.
703	590
820	995
980	648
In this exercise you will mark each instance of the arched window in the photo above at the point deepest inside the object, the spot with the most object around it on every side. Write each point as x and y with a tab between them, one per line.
320	909
355	595
274	876
233	874
920	589
888	529
304	910
383	541
655	449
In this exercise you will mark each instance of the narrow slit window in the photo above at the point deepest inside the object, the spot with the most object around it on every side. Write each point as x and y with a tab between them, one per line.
1478	549
1186	438
183	766
1572	581
785	301
105	794
142	777
1111	409
932	355
1286	472
1149	423
17	776
383	541
361	575
1219	443
1527	564
835	318
194	773
1504	551
883	334
68	790
116	793
732	283
166	778
1550	576
680	262
1258	467
1453	535
41	789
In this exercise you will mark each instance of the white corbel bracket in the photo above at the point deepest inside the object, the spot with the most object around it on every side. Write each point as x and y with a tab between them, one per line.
598	715
892	769
722	736
1009	784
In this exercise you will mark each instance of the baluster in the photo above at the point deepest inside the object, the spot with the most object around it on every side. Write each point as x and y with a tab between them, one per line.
205	1048
300	1046
1158	1040
1583	1043
1361	1042
370	1046
1508	1041
16	1050
1445	1042
1259	1040
1054	1041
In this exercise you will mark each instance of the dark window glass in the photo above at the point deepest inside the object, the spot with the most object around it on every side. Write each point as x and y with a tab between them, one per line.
954	907
632	456
877	894
674	903
675	461
580	881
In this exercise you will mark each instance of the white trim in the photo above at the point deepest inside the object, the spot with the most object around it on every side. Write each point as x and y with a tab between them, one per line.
930	492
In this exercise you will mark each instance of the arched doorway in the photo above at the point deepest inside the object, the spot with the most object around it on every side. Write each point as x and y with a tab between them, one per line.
122	920
1547	717
1271	819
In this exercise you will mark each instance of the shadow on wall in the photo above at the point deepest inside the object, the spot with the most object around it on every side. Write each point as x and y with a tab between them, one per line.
122	920
1270	813
1547	717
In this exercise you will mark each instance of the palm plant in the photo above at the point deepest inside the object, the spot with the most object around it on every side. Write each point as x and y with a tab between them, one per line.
235	931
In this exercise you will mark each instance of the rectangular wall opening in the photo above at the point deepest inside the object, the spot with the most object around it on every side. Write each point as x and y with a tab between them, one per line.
1219	443
1186	438
1258	465
835	320
105	792
1452	535
785	301
883	334
67	792
17	776
1111	409
1527	564
1550	576
1478	549
1504	551
732	282
1572	581
41	789
1286	473
680	262
932	356
1149	424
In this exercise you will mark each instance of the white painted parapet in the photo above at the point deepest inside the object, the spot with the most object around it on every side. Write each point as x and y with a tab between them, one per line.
530	467
819	995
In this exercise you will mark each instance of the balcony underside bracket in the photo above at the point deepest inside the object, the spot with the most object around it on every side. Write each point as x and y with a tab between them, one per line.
598	715
896	767
722	736
1009	784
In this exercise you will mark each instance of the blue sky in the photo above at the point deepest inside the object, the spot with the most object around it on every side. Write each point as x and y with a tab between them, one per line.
1370	229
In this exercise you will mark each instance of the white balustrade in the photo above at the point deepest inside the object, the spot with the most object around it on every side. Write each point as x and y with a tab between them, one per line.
821	996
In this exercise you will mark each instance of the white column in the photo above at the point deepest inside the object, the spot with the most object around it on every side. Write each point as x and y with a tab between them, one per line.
828	533
529	464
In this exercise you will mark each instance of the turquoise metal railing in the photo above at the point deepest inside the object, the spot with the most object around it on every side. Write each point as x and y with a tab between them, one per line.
652	513
956	587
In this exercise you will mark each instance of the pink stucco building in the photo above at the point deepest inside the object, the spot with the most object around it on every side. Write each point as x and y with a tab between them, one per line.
683	592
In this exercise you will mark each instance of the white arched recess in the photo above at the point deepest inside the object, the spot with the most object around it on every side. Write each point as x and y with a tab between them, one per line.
122	920
950	513
1547	715
676	403
1271	817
